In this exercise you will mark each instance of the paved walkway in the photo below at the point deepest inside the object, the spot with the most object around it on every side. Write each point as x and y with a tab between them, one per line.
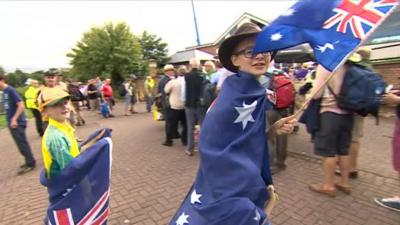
149	180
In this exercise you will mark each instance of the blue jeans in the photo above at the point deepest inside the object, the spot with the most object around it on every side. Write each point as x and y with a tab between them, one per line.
193	115
149	103
19	137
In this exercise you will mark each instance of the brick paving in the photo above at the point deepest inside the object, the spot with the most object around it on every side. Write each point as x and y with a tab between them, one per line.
149	180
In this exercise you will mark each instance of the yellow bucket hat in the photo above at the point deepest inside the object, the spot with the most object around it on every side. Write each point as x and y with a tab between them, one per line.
51	97
355	58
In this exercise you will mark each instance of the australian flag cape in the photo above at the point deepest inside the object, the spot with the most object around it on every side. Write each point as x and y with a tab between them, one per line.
333	28
79	194
231	183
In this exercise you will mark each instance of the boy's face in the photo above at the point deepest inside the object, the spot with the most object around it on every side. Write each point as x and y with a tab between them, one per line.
59	112
243	58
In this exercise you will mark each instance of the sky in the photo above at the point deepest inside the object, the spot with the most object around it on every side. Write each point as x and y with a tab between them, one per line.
37	35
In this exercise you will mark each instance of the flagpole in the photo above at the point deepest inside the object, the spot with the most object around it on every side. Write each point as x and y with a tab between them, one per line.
195	24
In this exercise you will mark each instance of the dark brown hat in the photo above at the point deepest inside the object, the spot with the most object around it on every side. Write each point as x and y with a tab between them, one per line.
228	45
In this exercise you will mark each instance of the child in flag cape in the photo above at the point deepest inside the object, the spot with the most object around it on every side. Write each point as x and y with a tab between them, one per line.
234	173
59	145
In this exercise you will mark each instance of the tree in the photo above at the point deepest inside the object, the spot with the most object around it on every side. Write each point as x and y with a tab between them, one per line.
2	72
17	78
154	48
107	50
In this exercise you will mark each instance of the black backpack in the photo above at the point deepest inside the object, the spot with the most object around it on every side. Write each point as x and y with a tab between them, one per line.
361	91
75	93
121	90
208	93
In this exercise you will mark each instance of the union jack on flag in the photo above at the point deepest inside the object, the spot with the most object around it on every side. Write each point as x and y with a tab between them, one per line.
333	28
95	216
359	16
79	194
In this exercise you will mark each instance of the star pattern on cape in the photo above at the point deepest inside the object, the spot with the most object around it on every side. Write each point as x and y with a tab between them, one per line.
258	216
276	37
195	198
245	113
288	12
182	219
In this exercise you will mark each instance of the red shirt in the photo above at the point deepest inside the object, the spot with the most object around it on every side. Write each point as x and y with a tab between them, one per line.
107	90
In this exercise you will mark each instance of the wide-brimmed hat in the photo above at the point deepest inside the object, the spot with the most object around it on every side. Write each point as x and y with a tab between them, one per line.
51	97
227	47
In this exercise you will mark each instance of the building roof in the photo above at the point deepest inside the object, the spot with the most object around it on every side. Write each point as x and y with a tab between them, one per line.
389	31
186	55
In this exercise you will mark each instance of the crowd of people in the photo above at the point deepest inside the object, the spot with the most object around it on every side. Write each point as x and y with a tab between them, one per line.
184	94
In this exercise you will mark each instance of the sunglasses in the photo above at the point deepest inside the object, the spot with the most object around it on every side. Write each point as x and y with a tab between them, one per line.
248	53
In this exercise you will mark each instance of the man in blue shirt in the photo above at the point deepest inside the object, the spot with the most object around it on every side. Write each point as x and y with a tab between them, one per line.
16	121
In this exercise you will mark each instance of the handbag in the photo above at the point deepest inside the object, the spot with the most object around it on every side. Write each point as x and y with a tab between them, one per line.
311	116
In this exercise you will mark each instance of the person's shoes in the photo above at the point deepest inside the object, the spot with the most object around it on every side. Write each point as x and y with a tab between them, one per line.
352	175
78	124
315	188
167	143
189	153
389	203
128	114
25	170
83	122
346	190
23	166
177	136
111	115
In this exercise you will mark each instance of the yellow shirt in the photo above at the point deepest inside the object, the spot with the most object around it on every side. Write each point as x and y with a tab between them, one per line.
31	97
59	147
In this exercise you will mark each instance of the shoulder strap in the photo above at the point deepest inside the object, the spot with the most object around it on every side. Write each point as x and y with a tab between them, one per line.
331	91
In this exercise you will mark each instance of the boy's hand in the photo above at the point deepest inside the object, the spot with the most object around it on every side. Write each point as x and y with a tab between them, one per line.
285	125
13	123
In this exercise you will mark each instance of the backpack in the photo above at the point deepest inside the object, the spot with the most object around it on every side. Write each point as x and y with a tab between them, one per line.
361	91
208	93
121	90
75	93
283	88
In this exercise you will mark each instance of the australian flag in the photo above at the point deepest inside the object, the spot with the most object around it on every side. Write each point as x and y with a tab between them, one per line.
79	194
231	183
333	28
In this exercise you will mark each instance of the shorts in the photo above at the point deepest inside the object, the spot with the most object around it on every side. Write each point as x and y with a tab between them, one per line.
358	128
334	136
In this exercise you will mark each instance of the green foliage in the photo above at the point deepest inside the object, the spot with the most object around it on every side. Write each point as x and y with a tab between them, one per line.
18	77
2	72
107	51
154	48
3	122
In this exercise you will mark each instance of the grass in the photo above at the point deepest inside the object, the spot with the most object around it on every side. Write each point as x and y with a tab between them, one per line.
3	122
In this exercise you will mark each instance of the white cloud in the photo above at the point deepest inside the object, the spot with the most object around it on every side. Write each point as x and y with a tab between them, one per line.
38	34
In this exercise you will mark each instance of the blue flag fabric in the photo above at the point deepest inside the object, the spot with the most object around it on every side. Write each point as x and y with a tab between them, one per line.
231	183
333	28
79	194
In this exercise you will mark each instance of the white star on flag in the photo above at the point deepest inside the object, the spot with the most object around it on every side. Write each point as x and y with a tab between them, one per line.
258	216
245	113
195	198
326	46
276	37
288	12
182	219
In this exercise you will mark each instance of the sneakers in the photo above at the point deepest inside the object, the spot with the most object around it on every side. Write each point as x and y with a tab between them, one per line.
389	203
167	143
25	169
189	153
